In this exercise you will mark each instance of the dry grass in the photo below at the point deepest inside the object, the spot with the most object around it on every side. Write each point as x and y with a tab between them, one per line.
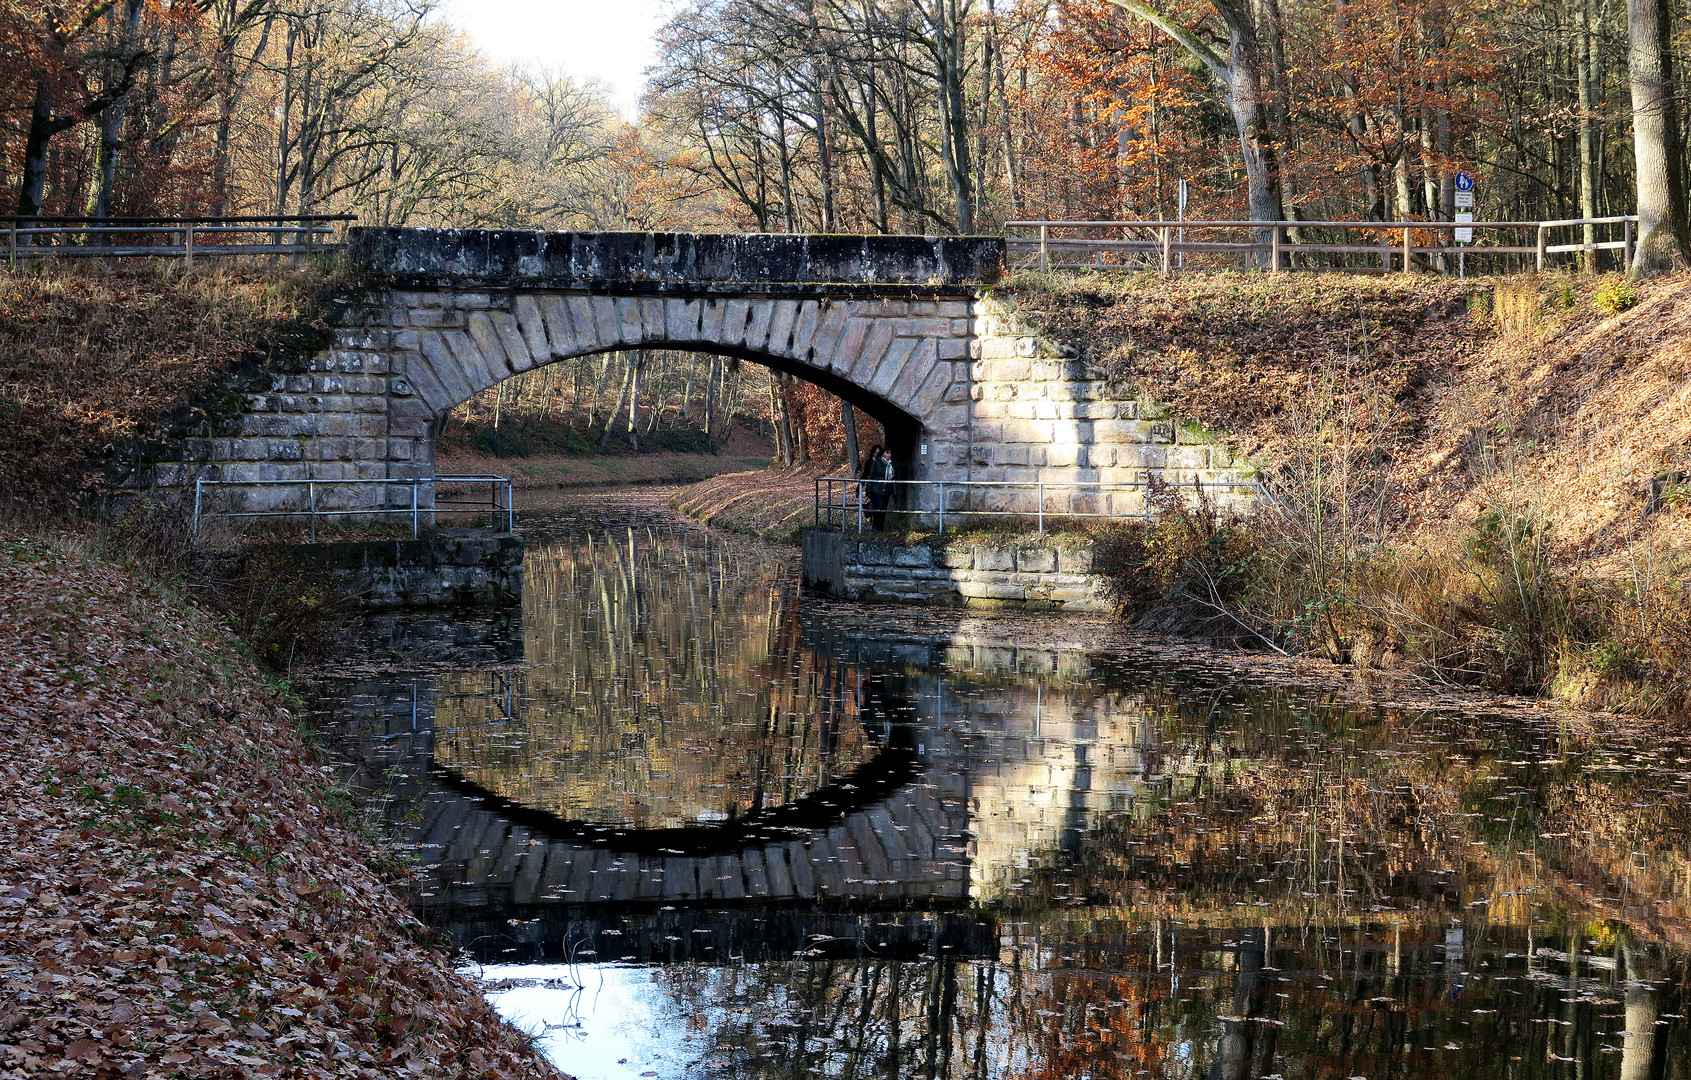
95	362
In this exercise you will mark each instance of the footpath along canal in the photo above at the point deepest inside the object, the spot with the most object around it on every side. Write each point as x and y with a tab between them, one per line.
687	822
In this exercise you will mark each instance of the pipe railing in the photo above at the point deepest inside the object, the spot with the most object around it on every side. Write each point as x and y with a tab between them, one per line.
420	504
853	498
1303	245
185	238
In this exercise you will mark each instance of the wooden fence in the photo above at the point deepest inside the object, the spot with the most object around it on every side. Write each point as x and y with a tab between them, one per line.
1165	246
176	238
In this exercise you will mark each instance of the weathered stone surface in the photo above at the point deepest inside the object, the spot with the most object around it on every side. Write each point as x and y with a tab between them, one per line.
437	571
847	565
890	323
487	257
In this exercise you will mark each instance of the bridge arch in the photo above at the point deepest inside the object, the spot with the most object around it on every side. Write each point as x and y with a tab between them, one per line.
896	359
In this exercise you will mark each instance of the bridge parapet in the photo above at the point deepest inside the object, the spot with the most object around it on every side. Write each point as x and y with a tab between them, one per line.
684	263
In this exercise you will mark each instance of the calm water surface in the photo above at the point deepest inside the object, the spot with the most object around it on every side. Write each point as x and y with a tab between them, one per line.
690	823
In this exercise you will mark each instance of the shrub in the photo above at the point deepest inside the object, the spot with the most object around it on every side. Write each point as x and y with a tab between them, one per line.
1615	296
1190	569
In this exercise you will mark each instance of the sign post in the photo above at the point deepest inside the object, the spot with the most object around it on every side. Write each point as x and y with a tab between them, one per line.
1184	191
1465	212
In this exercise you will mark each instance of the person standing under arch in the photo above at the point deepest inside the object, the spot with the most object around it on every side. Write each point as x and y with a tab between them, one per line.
878	471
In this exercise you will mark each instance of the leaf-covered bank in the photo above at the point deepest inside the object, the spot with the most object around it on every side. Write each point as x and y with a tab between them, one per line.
181	893
98	362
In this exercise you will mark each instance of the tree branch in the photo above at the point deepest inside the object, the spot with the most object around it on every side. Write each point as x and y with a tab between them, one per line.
1188	40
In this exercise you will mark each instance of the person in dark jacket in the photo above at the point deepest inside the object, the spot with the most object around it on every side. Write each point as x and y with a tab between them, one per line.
879	472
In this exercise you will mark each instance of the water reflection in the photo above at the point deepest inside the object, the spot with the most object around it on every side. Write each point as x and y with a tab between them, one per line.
822	849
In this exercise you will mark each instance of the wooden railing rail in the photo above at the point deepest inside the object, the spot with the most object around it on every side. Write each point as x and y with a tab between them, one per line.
185	238
1300	245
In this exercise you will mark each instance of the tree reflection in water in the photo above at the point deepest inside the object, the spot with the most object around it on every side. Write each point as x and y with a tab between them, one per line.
1169	873
659	687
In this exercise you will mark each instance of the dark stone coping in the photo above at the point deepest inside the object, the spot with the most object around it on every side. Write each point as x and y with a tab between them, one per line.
697	263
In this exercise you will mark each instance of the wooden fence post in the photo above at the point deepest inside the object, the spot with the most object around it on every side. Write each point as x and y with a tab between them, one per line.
12	244
1627	251
1045	247
1167	262
1408	249
1274	250
188	246
1543	242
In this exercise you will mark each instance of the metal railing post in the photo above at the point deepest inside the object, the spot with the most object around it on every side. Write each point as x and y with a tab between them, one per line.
510	508
1041	497
860	506
413	508
199	482
1045	247
942	507
311	495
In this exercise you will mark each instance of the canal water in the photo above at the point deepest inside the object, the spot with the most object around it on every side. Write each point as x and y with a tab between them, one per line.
688	823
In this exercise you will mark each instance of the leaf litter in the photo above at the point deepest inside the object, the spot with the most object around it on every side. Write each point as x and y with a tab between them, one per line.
179	893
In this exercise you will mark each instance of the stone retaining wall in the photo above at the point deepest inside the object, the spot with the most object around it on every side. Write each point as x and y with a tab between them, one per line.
1033	576
437	571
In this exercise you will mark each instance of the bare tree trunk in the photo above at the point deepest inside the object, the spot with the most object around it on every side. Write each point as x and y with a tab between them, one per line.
1240	74
848	418
111	123
1587	135
636	364
710	403
1662	242
778	421
687	392
622	396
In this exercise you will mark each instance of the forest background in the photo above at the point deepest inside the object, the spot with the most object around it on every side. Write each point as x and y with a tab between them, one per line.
874	116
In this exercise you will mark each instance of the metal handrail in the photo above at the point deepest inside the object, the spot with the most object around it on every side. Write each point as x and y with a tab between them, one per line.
1168	243
823	497
498	485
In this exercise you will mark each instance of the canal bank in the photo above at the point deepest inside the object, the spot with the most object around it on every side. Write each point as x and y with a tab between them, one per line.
183	889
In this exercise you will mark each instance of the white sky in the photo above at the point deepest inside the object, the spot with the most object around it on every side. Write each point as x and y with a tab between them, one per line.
608	40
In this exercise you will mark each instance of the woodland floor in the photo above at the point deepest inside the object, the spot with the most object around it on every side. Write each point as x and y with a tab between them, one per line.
181	892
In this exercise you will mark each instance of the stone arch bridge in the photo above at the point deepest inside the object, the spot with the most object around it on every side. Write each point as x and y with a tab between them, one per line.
902	327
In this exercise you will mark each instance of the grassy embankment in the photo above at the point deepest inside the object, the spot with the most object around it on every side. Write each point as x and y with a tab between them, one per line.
1484	482
183	889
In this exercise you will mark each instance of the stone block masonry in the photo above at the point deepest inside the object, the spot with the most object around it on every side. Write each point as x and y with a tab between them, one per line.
900	326
453	568
1029	576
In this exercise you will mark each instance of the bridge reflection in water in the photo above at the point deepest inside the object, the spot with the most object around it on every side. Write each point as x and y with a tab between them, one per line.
845	853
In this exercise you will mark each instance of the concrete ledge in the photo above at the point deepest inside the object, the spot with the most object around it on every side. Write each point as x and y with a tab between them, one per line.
677	262
450	569
1026	577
